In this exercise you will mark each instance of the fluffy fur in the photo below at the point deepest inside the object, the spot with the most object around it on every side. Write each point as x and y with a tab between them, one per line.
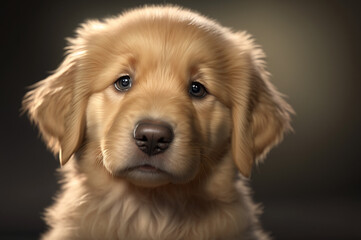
90	124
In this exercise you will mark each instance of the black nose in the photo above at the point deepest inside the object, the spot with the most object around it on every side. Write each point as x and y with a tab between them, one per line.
153	137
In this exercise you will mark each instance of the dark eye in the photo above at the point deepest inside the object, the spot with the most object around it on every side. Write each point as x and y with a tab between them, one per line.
123	83
197	90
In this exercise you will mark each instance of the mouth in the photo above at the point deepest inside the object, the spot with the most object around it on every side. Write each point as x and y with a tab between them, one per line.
146	175
146	168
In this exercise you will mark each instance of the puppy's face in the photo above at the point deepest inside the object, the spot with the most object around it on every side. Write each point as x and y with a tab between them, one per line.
161	114
161	95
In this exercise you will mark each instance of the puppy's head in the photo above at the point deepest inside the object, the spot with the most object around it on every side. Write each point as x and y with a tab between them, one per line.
163	94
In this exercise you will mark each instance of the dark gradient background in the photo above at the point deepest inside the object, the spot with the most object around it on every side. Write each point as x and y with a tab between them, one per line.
309	185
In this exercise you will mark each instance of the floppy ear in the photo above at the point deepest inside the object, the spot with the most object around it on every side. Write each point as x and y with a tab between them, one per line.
260	114
57	108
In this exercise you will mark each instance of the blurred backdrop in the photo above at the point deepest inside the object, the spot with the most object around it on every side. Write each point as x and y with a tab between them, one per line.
309	185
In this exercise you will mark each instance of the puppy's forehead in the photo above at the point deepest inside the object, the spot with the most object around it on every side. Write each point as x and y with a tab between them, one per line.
157	34
163	39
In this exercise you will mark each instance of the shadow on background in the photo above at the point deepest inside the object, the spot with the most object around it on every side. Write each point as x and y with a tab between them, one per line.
309	185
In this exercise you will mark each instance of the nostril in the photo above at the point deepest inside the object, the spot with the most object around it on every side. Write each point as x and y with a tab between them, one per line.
153	137
141	138
164	140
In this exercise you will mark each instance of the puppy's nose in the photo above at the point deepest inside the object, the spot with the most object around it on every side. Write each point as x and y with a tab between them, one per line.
153	137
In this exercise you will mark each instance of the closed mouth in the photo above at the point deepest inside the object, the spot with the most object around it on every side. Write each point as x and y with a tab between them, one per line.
146	168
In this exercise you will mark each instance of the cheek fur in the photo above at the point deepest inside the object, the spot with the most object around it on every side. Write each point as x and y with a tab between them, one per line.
101	112
215	122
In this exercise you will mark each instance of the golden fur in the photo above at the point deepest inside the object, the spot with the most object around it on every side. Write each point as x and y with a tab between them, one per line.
83	118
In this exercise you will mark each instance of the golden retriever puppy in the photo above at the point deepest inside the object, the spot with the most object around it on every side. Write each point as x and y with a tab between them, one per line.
157	115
